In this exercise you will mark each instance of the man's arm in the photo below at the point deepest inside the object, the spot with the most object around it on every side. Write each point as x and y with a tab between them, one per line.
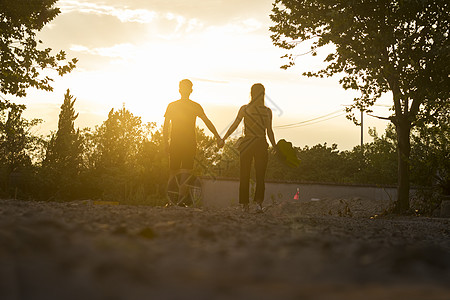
166	134
210	126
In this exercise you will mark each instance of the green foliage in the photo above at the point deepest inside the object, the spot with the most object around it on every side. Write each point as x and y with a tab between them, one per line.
228	163
207	155
325	164
320	162
21	60
430	156
130	167
63	160
64	147
380	158
17	146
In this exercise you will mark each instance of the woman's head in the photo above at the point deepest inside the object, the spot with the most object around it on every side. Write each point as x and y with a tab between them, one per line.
257	94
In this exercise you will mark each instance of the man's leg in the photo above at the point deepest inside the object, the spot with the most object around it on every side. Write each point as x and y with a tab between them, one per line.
187	165
173	189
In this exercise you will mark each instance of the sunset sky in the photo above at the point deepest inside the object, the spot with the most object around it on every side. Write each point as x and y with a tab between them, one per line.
136	51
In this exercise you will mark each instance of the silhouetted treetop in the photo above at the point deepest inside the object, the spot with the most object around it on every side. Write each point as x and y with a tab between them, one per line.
380	46
21	60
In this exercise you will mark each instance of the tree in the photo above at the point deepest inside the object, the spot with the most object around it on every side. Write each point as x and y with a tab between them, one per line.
125	160
431	150
63	160
380	46
207	156
17	143
21	62
153	159
64	149
120	138
380	158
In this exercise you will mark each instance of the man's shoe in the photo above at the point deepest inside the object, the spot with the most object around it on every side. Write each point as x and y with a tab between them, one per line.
245	207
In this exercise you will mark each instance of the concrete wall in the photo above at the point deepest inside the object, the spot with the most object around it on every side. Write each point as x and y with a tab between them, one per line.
225	192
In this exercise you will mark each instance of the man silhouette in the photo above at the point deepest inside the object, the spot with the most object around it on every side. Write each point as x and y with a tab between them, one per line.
182	115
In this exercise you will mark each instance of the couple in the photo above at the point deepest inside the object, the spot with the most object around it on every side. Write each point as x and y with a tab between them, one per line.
182	114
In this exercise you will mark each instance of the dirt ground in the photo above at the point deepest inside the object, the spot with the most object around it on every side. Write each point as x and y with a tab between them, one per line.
85	250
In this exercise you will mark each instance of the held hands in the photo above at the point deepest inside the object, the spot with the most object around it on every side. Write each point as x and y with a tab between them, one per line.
277	150
220	142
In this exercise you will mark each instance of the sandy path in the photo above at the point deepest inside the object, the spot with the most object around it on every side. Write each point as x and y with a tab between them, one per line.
79	250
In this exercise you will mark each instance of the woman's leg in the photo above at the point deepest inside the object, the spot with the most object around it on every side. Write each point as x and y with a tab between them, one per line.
246	158
261	158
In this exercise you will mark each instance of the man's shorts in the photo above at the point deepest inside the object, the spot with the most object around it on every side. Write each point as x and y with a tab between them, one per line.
182	159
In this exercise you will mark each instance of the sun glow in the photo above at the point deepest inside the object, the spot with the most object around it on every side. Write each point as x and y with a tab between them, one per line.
135	55
145	77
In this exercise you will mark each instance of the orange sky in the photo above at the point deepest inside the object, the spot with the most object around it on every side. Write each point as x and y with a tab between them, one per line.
135	53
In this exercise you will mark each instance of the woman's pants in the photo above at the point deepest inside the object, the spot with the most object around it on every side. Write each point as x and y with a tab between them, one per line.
257	151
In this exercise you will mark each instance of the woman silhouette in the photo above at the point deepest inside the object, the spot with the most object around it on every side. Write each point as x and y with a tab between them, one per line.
257	123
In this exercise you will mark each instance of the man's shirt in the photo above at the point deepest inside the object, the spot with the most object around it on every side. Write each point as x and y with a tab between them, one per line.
183	114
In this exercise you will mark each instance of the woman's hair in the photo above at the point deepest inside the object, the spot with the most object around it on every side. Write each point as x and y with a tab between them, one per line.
257	94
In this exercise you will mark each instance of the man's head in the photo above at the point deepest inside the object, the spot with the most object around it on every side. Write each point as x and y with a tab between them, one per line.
185	88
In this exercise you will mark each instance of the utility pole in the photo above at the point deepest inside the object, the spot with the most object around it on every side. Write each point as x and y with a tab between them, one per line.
362	140
362	129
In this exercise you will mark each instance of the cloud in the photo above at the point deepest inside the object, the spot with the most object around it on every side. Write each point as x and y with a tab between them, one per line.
95	23
122	13
96	16
217	12
212	13
128	15
237	27
171	40
210	80
116	51
91	30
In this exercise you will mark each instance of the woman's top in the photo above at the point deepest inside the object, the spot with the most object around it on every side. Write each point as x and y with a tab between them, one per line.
256	120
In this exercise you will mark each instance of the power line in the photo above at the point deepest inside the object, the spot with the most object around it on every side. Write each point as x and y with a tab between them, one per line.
318	121
307	121
311	120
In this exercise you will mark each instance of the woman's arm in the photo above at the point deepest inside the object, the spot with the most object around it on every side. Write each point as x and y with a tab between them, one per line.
235	124
210	126
270	134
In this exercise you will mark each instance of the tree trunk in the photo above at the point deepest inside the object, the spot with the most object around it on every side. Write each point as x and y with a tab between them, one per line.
403	128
